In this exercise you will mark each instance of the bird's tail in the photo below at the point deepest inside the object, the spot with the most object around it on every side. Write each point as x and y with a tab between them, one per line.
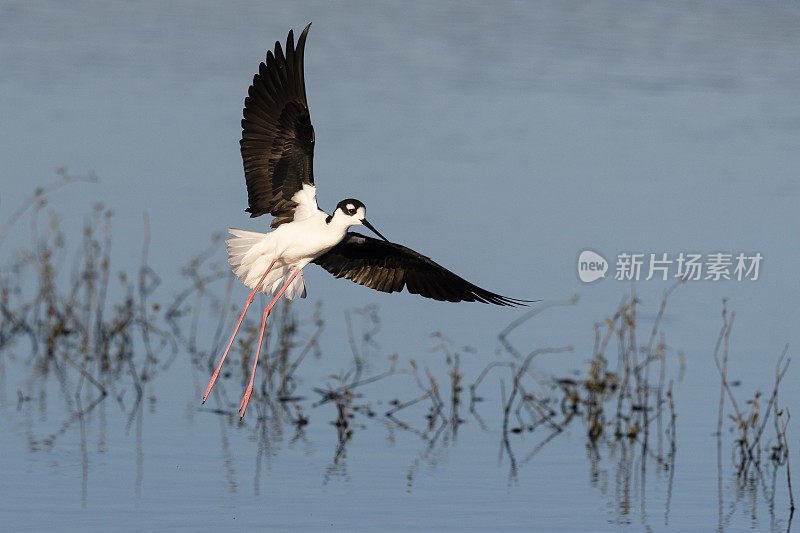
296	289
240	244
250	254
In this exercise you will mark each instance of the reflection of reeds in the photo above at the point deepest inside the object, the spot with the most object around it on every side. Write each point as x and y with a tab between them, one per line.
118	337
109	335
73	316
623	405
750	424
784	447
63	315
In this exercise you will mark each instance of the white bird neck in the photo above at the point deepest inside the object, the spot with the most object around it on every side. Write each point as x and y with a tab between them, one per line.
338	224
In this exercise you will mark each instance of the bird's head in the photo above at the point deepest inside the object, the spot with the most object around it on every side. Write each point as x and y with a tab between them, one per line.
352	212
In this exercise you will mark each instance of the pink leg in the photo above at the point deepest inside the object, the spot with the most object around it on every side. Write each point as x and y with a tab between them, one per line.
235	331
249	391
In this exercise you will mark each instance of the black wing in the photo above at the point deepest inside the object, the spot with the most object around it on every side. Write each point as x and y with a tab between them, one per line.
277	138
388	267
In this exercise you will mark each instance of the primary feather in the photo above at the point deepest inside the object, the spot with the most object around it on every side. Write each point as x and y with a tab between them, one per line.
277	136
389	267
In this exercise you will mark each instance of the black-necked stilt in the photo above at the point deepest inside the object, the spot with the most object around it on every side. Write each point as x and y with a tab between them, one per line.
278	150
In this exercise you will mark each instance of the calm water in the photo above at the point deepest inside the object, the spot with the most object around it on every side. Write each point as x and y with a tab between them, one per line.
502	141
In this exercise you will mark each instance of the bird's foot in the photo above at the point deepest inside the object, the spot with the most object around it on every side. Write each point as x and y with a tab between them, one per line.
245	400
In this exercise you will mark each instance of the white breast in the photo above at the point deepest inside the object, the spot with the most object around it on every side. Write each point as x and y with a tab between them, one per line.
292	245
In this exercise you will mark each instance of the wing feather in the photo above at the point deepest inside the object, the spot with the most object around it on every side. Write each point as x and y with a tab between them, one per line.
389	267
277	136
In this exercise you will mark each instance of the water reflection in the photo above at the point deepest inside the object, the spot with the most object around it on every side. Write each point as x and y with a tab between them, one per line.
88	355
746	454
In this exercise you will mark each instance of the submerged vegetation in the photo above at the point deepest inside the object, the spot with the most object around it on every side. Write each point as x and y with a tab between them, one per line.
749	425
108	336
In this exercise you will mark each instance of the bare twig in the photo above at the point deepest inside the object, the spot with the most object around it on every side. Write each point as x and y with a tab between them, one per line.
784	424
503	335
39	194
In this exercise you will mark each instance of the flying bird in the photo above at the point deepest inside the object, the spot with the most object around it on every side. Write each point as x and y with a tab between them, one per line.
278	153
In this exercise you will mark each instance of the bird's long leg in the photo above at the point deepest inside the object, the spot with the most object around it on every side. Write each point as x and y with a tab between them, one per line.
236	330
249	391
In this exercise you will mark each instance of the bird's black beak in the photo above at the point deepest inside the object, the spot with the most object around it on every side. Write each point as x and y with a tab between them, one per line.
370	226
